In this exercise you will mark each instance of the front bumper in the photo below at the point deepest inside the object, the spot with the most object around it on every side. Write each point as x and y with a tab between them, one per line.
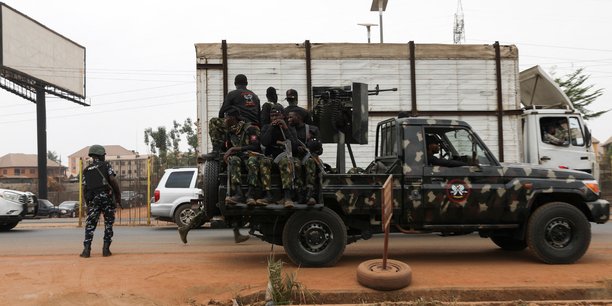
600	210
10	219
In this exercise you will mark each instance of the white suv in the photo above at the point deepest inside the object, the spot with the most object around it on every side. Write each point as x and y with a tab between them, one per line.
13	206
173	196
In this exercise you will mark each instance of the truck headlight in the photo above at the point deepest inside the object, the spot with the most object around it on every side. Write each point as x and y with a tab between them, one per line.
592	185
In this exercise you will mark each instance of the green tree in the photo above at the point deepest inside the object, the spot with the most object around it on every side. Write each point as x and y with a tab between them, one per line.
166	144
580	94
52	155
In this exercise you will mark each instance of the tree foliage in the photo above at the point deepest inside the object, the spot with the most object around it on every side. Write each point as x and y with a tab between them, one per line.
580	93
52	155
166	144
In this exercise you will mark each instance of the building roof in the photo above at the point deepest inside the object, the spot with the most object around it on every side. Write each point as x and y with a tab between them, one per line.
607	142
111	150
23	160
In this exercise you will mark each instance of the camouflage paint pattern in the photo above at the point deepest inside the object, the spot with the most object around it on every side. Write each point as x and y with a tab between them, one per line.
101	203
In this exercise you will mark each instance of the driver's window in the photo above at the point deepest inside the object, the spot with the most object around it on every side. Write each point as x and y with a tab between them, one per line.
576	132
462	142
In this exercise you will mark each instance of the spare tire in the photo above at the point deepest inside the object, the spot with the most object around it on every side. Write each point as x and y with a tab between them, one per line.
371	274
211	188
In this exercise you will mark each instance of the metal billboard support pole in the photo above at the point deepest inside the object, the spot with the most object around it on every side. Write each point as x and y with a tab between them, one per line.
41	127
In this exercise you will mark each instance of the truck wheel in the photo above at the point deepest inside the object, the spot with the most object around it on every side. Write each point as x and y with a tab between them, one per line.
211	188
183	214
509	243
558	233
371	274
7	227
314	238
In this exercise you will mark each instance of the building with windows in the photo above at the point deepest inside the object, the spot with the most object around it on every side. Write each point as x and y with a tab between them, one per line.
127	164
24	167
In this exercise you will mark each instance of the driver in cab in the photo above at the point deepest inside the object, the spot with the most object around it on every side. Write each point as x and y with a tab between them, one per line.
433	148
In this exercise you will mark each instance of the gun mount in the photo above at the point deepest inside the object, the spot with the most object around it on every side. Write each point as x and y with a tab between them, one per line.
343	109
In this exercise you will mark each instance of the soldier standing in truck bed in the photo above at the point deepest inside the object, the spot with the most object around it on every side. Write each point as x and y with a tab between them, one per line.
246	101
292	99
266	107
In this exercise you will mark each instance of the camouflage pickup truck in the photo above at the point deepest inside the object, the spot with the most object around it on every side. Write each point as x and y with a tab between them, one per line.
515	205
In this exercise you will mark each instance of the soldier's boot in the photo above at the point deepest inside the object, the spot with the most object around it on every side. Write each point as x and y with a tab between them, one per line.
267	199
238	238
250	197
287	198
106	249
237	198
86	250
183	231
310	200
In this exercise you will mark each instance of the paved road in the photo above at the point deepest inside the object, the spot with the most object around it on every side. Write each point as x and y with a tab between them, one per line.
152	267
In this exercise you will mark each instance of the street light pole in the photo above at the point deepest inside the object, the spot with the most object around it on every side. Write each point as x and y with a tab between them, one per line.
368	26
380	6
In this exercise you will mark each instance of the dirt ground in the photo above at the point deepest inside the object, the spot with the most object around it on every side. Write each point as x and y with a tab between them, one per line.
440	273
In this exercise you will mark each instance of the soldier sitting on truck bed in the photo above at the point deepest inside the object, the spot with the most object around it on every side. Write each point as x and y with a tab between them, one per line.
433	147
309	149
247	103
292	99
273	138
245	146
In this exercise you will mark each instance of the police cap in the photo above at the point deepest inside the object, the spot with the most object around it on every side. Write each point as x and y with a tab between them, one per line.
277	109
232	112
292	94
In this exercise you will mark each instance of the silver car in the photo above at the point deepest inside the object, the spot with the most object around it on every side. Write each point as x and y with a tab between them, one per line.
173	196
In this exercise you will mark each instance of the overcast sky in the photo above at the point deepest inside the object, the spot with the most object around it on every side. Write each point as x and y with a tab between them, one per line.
141	55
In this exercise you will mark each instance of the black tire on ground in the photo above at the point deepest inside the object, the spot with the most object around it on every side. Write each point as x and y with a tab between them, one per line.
7	227
314	238
509	243
211	188
558	233
371	274
183	214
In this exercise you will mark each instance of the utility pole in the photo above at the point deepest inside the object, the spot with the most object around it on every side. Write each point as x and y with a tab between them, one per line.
379	6
368	26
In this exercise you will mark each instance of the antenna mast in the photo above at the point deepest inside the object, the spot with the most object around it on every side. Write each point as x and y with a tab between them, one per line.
458	30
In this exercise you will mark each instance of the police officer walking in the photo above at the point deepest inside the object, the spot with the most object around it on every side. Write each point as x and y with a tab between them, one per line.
99	189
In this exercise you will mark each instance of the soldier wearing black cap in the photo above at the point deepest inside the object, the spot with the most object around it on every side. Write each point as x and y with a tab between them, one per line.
245	101
292	99
309	148
273	136
266	107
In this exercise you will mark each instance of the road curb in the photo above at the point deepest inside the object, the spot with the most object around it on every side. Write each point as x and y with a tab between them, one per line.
587	295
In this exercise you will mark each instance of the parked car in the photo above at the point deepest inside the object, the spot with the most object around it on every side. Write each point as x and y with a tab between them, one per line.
69	209
131	198
47	209
12	208
173	196
27	198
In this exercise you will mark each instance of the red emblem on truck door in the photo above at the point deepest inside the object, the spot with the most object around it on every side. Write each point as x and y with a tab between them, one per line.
457	190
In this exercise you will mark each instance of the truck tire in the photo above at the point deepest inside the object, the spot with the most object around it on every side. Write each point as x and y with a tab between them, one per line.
371	274
183	214
8	226
211	188
314	238
509	243
558	233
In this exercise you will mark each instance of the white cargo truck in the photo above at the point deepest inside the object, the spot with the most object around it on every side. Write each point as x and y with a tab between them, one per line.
479	84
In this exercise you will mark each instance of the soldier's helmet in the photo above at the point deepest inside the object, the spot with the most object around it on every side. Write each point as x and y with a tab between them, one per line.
97	150
292	95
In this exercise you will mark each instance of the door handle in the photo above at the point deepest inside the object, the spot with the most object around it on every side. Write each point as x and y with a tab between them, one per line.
584	157
544	158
